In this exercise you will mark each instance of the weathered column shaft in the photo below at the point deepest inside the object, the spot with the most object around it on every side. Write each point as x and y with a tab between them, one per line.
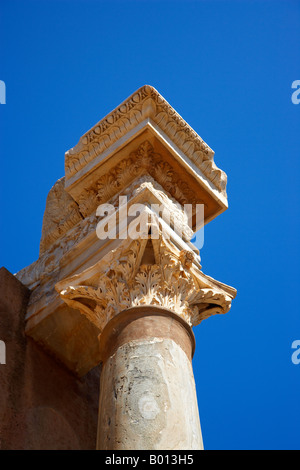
148	398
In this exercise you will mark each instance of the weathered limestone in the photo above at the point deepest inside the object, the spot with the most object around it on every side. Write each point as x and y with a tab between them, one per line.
146	272
147	371
130	302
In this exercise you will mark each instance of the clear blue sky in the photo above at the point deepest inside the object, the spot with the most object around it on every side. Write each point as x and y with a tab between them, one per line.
227	68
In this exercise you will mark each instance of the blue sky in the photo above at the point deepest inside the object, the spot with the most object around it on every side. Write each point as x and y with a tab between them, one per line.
227	68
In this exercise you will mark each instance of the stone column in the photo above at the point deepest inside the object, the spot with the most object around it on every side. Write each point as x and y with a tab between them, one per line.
147	397
117	268
144	297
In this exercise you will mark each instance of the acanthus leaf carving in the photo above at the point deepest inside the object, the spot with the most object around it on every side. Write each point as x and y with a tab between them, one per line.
141	162
62	214
172	282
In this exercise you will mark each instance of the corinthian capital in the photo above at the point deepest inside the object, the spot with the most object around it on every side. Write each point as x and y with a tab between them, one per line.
146	273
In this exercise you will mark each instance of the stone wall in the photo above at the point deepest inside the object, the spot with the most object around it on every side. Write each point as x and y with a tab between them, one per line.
42	405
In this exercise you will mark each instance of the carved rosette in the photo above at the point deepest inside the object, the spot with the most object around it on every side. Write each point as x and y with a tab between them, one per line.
121	281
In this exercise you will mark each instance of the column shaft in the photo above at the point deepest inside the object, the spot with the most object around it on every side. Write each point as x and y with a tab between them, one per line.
147	391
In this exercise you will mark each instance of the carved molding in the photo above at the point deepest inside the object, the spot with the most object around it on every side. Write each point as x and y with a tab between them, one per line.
140	162
122	280
145	102
60	243
61	214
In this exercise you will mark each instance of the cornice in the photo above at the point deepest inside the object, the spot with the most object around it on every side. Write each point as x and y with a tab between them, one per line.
146	102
